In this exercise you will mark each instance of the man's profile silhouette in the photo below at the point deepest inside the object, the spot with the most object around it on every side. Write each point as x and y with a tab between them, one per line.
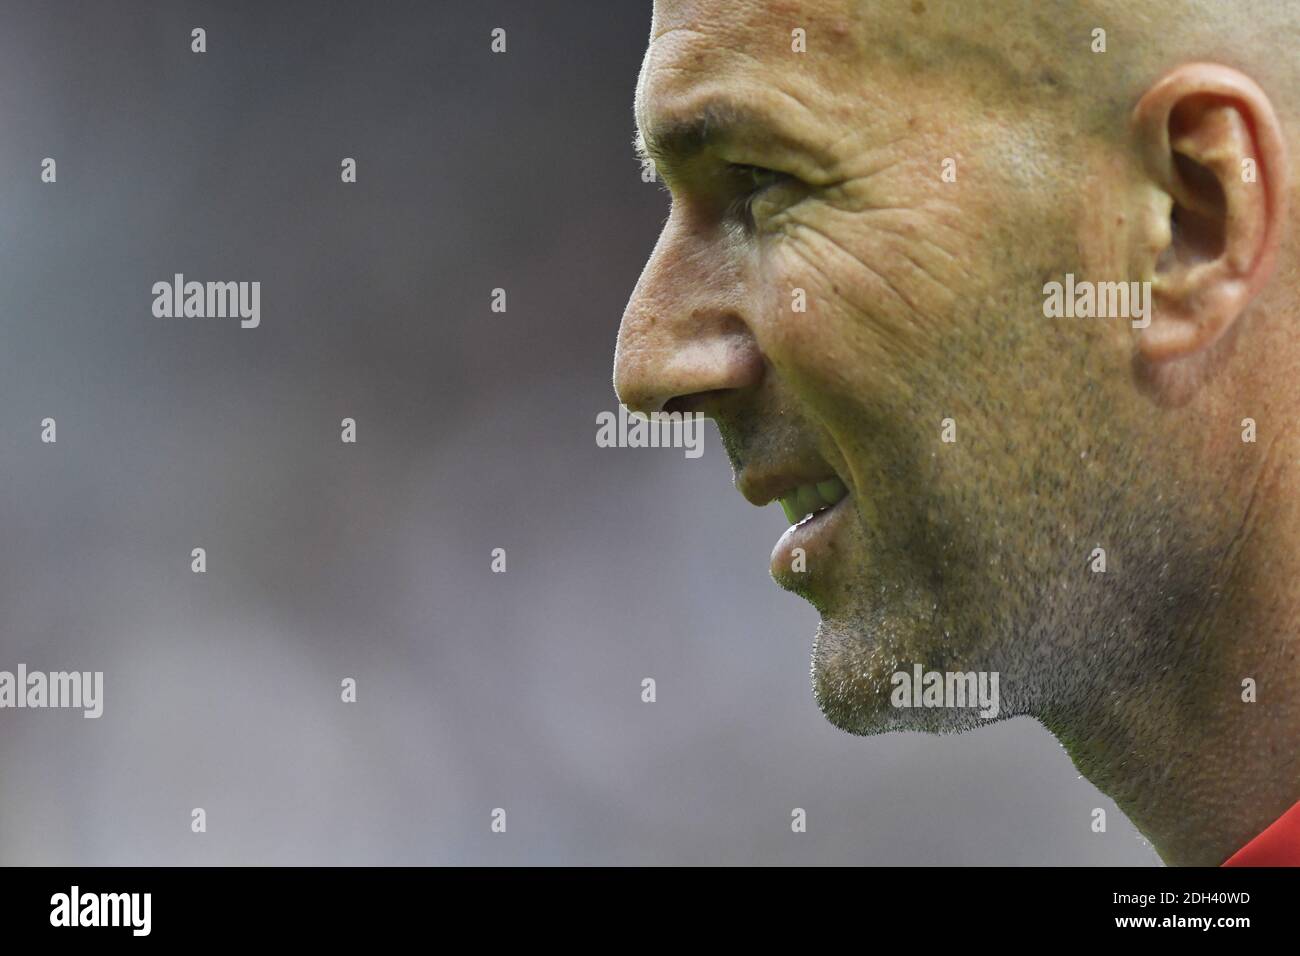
871	200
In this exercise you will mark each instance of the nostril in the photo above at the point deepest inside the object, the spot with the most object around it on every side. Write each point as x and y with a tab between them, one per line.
685	368
680	404
695	402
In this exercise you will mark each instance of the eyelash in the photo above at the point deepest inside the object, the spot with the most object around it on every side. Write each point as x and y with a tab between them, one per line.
745	172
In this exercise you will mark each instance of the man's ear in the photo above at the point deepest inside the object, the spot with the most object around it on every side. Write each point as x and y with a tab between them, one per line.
1213	148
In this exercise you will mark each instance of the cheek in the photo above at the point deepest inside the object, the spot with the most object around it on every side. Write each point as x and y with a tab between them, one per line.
847	314
811	330
879	353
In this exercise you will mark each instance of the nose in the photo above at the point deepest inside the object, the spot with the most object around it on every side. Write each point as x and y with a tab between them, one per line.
685	334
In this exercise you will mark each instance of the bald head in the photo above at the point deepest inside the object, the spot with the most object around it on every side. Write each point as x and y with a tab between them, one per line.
878	210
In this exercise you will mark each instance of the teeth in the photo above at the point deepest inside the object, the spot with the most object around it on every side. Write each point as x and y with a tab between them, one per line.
809	499
788	506
831	491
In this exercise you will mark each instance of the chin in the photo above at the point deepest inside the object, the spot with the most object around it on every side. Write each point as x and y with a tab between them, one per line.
852	677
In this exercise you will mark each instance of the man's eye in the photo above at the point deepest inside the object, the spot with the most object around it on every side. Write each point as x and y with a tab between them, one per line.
754	179
750	183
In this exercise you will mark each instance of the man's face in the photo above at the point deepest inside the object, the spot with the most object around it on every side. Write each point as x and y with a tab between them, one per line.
850	282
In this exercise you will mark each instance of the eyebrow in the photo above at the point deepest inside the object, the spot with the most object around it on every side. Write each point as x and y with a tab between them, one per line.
678	140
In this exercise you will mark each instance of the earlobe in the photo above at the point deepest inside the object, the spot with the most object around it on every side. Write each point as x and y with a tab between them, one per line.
1212	147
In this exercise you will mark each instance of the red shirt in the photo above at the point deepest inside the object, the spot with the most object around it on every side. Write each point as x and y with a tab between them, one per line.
1279	845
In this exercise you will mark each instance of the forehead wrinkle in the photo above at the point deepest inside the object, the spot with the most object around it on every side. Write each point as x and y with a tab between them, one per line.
695	93
685	64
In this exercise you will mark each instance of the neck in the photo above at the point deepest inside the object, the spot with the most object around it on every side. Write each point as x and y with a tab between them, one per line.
1196	766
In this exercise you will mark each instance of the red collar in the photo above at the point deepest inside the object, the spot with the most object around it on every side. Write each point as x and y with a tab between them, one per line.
1279	845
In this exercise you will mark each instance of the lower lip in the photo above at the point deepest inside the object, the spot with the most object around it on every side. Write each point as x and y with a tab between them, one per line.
814	536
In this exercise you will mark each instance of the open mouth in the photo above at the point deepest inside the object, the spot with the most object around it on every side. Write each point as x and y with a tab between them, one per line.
812	499
817	503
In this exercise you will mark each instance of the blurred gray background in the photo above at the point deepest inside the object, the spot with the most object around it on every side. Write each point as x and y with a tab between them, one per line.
476	430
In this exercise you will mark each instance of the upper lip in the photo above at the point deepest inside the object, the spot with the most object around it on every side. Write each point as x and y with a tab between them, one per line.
762	485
